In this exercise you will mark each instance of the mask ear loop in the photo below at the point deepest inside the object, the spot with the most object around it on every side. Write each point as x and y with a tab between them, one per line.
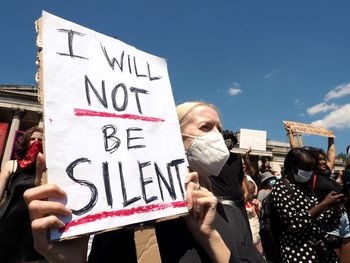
188	135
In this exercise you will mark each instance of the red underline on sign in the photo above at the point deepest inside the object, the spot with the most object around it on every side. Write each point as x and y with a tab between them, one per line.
122	213
91	113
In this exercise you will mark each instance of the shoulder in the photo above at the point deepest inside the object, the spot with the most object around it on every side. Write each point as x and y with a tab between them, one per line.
9	167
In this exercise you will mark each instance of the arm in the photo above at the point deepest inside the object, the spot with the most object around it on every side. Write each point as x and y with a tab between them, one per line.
331	153
45	215
5	175
245	188
249	168
292	142
202	206
331	201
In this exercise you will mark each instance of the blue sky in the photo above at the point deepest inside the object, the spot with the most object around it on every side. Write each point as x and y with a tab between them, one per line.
260	62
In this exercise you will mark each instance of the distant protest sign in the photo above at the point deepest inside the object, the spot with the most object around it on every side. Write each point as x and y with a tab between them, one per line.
112	138
253	139
309	129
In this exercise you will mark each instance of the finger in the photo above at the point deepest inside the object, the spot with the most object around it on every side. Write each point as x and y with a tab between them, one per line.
192	177
191	186
39	208
204	204
40	166
43	192
42	224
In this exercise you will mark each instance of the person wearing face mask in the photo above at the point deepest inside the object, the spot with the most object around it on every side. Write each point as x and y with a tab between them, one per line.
196	237
228	187
322	184
304	220
16	242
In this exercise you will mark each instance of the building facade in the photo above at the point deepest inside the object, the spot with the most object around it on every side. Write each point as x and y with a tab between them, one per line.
19	111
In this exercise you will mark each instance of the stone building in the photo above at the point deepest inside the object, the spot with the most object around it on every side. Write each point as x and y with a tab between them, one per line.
19	110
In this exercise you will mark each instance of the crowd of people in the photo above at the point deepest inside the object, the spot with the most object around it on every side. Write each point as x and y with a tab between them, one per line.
224	194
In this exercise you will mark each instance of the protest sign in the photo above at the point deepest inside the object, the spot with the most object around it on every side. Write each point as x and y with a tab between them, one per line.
112	138
254	139
309	129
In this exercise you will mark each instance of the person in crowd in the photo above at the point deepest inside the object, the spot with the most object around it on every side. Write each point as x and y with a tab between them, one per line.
16	241
304	221
322	183
202	236
228	188
268	180
252	208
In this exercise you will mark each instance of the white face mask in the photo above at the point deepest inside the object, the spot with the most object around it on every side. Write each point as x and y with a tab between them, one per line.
207	153
303	176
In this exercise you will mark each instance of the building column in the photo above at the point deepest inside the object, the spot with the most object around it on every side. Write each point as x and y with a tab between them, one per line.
16	121
41	120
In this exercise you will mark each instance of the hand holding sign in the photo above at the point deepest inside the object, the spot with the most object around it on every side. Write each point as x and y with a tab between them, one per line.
291	127
109	112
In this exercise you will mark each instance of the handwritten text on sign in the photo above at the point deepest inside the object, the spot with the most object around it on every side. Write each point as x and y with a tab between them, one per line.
112	137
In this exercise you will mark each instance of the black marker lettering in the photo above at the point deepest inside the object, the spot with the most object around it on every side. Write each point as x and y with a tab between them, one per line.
125	198
144	182
129	64
114	60
149	74
170	187
114	93
111	142
91	186
136	72
137	91
129	138
103	99
71	34
176	163
107	184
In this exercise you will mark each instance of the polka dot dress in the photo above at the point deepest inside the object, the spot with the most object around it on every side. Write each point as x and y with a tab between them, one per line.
298	228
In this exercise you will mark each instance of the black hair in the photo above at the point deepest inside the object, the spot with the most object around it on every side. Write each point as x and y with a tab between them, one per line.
347	149
295	156
23	142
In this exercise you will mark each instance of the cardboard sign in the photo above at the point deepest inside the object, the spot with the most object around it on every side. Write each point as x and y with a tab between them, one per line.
112	138
309	129
254	139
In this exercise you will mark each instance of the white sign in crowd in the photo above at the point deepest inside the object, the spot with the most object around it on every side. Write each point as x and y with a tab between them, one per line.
112	138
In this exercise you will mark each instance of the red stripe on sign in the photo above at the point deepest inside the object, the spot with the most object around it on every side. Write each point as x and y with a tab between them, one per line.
121	213
90	113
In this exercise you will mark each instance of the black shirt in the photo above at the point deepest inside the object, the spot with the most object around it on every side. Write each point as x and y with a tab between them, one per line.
228	183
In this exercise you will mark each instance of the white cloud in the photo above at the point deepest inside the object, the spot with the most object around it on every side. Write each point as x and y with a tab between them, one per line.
321	107
298	103
270	74
339	118
338	92
234	91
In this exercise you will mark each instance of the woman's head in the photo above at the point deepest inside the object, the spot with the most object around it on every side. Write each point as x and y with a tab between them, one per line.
197	118
299	164
201	133
27	139
320	157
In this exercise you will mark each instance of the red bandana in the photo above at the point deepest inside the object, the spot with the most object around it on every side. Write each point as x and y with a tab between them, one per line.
29	159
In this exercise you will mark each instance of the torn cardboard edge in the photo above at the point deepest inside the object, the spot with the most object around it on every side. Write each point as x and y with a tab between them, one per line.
39	78
145	238
309	129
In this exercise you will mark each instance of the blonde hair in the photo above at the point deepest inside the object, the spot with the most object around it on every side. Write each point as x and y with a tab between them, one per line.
185	108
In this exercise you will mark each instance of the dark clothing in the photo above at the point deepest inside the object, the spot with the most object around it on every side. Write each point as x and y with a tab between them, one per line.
299	230
228	186
323	184
16	241
228	183
175	242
